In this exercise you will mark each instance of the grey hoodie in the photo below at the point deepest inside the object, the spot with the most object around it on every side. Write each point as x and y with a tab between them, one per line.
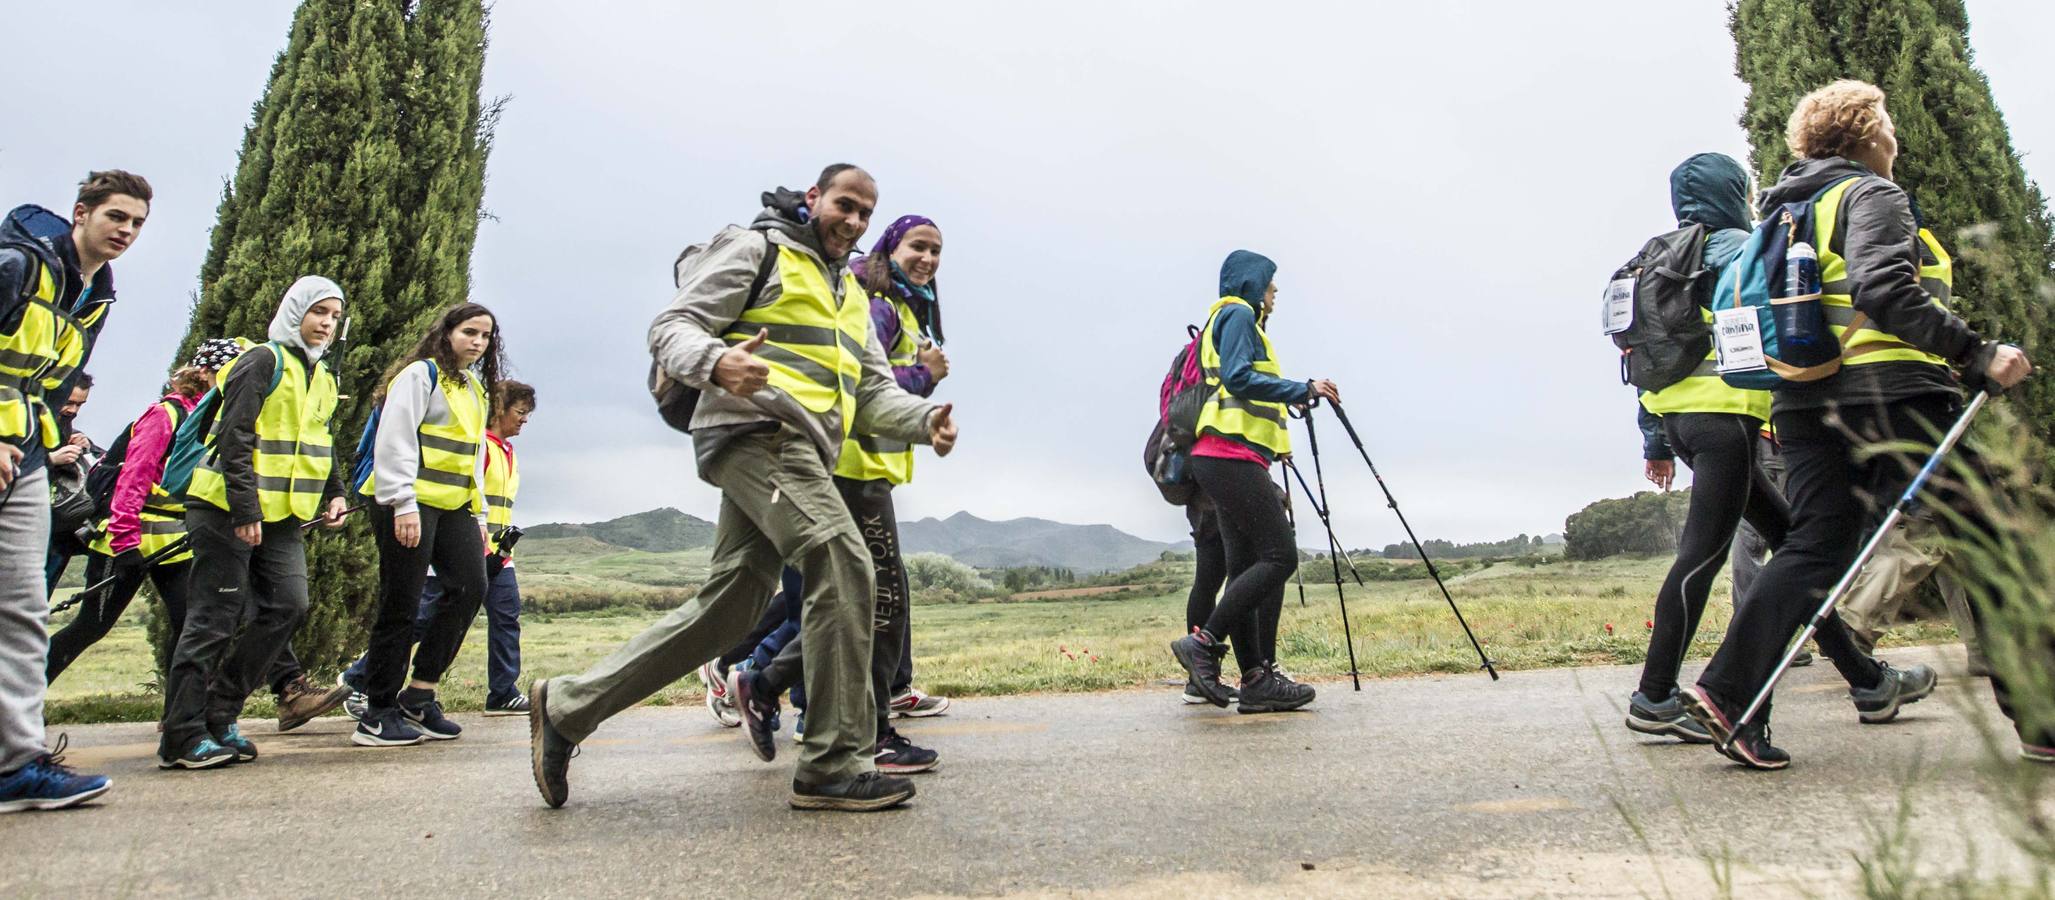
713	289
1880	240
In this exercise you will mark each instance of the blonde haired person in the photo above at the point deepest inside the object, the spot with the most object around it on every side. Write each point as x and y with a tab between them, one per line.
1886	282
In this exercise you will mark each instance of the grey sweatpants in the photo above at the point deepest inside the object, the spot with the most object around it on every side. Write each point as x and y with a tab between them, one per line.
777	504
24	620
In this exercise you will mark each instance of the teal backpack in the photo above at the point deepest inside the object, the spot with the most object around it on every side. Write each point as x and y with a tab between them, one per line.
1765	341
194	437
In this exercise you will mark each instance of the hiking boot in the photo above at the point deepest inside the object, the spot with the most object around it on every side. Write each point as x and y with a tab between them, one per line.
718	703
744	688
895	755
203	754
1665	719
1269	690
1750	746
1897	688
2036	753
385	727
1200	654
913	704
518	706
1803	659
549	754
232	738
865	793
301	702
47	783
1192	697
424	712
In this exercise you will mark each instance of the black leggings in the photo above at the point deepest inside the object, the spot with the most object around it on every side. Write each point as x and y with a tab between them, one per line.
97	615
449	541
1837	498
1260	555
1211	570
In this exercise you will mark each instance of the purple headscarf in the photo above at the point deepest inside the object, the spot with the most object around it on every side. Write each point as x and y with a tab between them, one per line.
896	232
925	301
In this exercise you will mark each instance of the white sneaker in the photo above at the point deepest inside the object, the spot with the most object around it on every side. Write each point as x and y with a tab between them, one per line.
915	705
717	702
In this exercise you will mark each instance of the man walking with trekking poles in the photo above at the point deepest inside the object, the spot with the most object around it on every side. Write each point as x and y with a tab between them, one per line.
1859	425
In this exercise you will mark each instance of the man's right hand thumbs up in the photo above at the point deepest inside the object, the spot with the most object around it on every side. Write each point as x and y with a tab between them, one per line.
738	371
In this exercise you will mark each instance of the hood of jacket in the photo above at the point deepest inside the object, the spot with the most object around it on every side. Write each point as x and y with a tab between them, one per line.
1247	274
784	213
1806	177
285	325
1710	189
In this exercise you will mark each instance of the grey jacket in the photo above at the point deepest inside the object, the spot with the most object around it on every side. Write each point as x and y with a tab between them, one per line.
1879	238
713	288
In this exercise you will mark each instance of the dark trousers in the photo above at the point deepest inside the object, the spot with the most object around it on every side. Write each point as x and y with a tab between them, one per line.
99	612
1729	485
1211	569
450	542
870	503
502	634
780	619
262	590
1839	493
1260	556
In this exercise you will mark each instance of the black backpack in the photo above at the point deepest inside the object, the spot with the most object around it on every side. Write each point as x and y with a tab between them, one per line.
675	400
1667	337
101	480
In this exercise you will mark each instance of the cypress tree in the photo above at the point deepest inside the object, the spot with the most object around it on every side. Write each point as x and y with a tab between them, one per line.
364	161
1957	160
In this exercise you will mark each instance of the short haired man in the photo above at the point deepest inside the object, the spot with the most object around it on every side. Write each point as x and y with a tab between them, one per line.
770	325
56	288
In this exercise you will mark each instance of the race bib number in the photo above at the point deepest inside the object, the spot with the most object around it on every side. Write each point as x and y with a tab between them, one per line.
1619	305
1738	338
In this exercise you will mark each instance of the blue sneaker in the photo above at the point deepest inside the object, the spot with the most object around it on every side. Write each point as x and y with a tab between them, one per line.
426	717
385	727
47	783
232	738
203	754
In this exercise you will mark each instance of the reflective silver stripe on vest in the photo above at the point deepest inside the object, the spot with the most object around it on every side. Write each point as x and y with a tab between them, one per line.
15	359
807	335
1842	316
1270	413
807	368
174	526
437	476
436	442
871	443
499	502
291	485
1836	287
1707	369
1934	287
162	511
288	448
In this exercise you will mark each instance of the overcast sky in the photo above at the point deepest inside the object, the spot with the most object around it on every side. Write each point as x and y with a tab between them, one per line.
1445	188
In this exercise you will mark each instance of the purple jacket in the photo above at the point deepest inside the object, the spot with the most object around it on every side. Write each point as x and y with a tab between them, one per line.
914	379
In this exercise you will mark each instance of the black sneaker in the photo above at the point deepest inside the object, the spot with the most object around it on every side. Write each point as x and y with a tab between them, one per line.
868	792
1665	719
232	738
1899	687
549	754
757	710
1268	690
895	755
1750	746
518	706
385	727
203	754
425	714
1200	654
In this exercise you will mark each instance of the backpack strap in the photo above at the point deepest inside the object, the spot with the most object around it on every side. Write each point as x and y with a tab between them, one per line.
763	271
277	366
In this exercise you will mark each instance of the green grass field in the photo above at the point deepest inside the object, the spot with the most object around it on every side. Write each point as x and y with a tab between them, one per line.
1553	614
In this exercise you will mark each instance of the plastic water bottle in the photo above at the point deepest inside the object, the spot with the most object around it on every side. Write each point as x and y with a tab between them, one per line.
1801	270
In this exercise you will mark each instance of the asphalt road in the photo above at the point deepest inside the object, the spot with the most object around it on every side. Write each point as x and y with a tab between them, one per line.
1440	786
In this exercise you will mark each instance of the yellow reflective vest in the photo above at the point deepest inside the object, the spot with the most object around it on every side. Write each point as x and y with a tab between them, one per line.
502	482
37	354
868	457
162	520
817	333
294	451
447	476
1256	422
1862	342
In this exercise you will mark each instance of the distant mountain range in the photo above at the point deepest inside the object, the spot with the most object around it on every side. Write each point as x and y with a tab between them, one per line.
964	537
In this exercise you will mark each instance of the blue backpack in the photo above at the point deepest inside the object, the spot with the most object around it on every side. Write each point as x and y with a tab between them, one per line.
367	443
1795	343
194	437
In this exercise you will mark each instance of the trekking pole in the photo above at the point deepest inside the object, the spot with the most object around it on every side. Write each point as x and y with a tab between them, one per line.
1869	549
1393	502
1334	553
182	544
1292	517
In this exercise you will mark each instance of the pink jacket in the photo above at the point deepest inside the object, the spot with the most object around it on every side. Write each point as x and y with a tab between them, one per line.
148	441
